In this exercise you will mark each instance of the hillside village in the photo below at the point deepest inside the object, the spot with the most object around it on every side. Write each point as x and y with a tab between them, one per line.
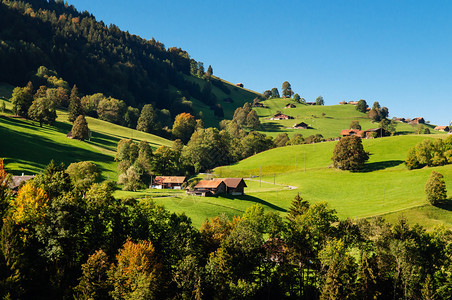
128	170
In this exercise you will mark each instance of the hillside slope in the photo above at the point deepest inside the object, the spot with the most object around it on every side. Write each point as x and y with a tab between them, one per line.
386	186
326	120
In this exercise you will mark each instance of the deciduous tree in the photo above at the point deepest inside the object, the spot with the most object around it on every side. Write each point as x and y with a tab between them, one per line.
435	189
349	154
184	126
80	129
42	110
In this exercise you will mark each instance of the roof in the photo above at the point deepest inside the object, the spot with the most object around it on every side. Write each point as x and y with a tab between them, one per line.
231	182
17	180
208	184
301	124
441	127
169	179
351	131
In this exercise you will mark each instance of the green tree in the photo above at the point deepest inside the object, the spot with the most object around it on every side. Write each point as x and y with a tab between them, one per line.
252	120
275	93
281	140
362	106
80	129
287	89
3	107
349	154
374	115
296	98
112	110
319	101
90	104
355	125
83	174
21	99
75	106
184	126
209	71
131	117
435	189
42	110
147	121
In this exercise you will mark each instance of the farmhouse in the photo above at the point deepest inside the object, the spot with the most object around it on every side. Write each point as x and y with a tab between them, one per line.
343	102
168	182
290	105
301	125
400	120
239	85
311	103
280	116
369	133
353	102
442	128
419	120
16	181
234	186
209	188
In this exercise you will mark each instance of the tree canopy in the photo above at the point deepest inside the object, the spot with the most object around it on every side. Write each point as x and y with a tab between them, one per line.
349	154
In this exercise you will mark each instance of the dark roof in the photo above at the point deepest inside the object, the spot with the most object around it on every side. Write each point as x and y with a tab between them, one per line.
231	182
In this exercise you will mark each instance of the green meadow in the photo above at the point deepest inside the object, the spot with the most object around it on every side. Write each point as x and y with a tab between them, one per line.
326	120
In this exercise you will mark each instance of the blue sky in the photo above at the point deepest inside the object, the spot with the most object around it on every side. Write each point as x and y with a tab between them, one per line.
396	52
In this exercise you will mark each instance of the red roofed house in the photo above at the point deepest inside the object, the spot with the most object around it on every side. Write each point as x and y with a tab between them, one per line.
442	128
418	121
280	116
234	186
209	188
168	182
369	133
349	132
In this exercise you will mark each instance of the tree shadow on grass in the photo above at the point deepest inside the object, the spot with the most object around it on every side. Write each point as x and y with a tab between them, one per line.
446	206
381	165
272	126
255	200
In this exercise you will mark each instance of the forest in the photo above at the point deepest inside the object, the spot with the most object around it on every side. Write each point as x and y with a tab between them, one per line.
65	236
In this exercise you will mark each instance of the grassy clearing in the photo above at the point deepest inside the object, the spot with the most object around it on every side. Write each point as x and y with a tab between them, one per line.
335	118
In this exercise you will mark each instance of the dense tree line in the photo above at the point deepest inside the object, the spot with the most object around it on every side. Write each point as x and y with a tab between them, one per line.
96	57
64	235
437	152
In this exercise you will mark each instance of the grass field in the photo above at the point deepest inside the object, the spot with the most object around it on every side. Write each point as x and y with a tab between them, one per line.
335	118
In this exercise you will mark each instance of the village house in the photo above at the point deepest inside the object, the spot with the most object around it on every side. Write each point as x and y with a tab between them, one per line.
16	181
369	133
400	120
442	128
206	188
353	102
231	186
290	105
311	103
343	102
168	182
301	125
239	85
280	116
419	120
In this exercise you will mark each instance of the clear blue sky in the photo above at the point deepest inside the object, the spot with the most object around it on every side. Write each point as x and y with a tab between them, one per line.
396	52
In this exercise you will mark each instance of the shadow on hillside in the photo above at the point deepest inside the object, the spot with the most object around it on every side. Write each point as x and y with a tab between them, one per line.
272	126
255	200
446	206
381	165
36	150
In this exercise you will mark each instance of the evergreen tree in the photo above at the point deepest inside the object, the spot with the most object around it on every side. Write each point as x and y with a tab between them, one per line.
75	106
209	71
80	129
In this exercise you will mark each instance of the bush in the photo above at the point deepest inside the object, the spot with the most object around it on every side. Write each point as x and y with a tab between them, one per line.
435	189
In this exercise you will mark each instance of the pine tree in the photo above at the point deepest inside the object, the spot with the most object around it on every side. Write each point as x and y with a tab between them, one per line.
75	105
209	71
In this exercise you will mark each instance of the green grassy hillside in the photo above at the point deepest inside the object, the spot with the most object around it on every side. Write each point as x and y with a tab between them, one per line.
335	118
385	187
28	148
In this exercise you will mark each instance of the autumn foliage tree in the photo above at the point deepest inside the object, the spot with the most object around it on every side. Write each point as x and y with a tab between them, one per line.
184	126
349	154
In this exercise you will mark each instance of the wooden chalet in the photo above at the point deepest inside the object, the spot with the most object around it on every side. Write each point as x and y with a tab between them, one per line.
311	103
369	133
234	186
290	105
208	188
353	102
419	120
280	116
442	128
343	102
168	182
301	125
